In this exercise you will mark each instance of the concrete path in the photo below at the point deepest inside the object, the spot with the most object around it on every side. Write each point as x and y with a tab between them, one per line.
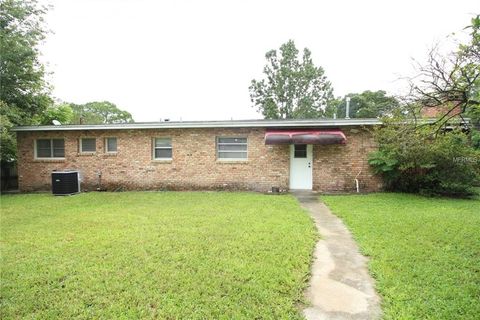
340	286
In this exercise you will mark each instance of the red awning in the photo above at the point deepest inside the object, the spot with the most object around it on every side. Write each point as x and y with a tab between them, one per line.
302	136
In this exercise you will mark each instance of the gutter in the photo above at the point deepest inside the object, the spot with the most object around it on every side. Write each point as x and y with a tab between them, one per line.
310	123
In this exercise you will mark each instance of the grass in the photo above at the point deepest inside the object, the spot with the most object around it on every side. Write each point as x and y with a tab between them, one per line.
424	252
169	255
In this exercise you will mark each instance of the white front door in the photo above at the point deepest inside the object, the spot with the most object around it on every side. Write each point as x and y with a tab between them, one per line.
301	166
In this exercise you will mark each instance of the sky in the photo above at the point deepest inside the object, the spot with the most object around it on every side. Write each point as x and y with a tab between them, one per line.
194	60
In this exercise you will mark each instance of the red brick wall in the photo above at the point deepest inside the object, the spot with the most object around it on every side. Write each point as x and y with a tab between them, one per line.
438	111
335	167
194	164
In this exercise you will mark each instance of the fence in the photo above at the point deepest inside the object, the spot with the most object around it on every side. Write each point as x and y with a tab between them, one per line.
9	176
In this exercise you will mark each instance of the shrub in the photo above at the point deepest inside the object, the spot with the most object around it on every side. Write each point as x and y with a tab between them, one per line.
422	160
476	139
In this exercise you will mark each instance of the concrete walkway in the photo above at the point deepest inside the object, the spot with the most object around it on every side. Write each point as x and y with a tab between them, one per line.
340	286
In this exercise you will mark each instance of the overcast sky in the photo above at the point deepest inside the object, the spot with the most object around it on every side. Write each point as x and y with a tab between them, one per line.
195	59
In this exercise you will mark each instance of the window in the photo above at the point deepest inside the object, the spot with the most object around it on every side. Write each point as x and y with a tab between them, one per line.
110	145
300	151
88	145
232	148
50	148
162	149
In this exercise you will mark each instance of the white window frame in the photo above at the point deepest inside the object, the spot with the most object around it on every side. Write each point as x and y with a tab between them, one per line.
106	144
80	145
217	143
154	147
51	149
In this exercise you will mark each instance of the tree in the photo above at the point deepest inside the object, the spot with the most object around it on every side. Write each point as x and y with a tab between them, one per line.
62	113
8	144
450	83
24	92
368	104
99	113
292	88
430	157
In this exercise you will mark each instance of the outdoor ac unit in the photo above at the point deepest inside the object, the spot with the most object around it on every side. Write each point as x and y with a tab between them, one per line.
65	182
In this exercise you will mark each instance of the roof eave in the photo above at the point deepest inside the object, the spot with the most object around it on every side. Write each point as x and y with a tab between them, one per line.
209	124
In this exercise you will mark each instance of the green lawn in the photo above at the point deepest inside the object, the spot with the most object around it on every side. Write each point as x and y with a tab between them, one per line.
425	252
195	255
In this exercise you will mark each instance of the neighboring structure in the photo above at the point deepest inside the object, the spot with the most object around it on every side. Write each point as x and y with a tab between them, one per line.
438	111
325	155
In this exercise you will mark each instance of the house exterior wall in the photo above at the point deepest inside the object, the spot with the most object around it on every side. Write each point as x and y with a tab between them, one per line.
194	163
335	167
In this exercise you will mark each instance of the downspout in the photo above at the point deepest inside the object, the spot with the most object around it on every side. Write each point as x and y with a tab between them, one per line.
357	184
99	174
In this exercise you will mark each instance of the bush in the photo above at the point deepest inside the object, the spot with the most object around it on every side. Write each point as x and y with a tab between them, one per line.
476	139
421	160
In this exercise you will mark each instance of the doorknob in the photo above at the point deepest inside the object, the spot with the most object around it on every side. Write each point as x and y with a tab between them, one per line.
309	164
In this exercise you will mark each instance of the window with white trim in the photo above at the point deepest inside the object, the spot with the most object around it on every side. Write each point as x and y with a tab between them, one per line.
162	149
111	145
88	145
232	148
50	148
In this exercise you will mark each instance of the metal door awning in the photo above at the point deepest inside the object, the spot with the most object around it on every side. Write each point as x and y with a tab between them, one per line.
300	136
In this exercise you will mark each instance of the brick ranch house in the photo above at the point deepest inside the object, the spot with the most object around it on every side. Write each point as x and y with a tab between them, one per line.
325	155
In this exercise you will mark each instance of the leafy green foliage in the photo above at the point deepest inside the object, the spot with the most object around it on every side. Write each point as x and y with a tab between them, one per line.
154	255
99	113
368	104
475	139
62	113
8	143
292	88
24	92
470	53
23	88
424	252
473	113
382	163
89	113
417	159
